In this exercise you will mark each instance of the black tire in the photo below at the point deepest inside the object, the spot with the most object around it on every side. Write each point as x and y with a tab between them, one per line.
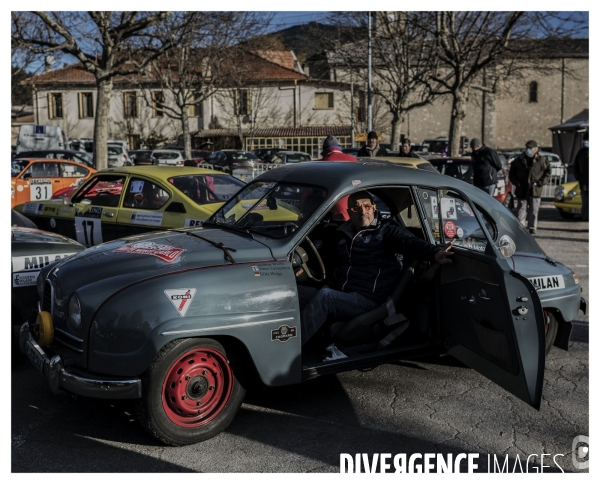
566	215
552	328
156	410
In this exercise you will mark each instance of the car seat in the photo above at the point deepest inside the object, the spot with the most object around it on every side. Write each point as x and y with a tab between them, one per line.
361	326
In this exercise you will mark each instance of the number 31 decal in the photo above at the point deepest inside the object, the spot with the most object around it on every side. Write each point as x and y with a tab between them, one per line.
88	231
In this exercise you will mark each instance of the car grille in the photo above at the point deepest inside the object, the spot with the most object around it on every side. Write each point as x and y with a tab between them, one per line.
48	296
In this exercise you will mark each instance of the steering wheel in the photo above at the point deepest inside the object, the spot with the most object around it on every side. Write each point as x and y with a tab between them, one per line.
304	258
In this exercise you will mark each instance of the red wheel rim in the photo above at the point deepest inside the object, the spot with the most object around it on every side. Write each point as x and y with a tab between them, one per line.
197	387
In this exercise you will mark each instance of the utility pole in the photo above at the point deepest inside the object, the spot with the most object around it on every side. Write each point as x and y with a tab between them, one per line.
369	100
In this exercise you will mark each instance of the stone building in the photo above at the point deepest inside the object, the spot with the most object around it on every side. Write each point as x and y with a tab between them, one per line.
548	90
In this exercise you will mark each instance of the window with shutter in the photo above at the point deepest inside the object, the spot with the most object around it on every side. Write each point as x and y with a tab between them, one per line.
130	104
86	105
55	107
158	101
323	100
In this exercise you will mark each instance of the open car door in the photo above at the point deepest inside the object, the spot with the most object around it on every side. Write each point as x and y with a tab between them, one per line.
491	317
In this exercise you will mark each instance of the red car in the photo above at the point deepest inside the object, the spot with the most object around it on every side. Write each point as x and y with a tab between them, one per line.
462	168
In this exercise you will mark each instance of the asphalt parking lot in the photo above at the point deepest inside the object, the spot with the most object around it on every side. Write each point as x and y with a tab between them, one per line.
430	405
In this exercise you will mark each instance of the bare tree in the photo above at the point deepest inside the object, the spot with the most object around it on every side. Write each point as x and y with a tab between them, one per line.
190	72
497	44
104	42
402	64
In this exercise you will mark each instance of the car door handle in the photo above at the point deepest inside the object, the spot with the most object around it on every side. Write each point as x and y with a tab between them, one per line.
109	214
470	300
482	295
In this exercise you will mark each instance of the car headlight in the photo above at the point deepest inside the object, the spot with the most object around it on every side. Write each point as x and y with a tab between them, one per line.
559	193
572	194
39	284
507	246
74	312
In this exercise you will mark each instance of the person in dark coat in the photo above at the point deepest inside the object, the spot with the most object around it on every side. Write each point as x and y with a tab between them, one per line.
486	164
529	172
406	150
581	170
372	148
368	253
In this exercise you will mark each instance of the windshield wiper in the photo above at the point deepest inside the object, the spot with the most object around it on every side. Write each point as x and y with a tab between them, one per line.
218	245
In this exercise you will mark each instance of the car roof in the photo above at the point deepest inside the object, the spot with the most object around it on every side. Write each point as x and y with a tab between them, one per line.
398	160
162	172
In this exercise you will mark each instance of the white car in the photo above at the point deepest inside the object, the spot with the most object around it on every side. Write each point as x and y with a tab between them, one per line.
117	156
168	157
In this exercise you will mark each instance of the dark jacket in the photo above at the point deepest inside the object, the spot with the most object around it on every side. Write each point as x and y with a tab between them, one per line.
371	259
410	154
529	175
581	168
372	153
486	164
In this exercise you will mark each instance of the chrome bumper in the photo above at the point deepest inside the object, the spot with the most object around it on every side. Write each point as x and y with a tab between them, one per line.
60	378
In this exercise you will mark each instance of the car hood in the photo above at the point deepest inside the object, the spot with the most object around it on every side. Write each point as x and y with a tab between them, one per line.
108	267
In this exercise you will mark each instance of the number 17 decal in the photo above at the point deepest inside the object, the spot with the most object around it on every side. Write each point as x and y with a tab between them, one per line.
88	227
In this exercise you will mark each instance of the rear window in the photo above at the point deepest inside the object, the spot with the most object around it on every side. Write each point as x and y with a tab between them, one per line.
165	155
207	188
456	169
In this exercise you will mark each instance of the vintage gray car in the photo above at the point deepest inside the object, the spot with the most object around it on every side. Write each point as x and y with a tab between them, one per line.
183	320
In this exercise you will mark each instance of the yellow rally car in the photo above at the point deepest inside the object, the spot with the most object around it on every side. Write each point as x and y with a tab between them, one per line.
125	201
567	199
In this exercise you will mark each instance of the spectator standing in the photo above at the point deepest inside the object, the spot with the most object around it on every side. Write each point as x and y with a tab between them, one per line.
372	148
581	170
406	150
529	172
332	151
486	164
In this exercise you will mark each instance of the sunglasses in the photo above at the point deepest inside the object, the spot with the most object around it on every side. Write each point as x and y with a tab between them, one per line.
358	208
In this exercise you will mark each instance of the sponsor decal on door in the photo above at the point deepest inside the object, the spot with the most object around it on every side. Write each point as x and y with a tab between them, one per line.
181	299
145	218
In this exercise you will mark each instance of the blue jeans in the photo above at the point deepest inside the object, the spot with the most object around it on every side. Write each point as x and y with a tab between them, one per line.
488	188
340	305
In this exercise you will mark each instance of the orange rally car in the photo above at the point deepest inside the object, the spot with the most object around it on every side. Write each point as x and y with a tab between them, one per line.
34	180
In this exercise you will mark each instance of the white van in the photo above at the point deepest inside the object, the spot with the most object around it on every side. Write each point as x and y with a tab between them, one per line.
34	137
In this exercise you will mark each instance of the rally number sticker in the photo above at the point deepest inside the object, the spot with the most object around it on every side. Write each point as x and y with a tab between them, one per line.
40	190
88	227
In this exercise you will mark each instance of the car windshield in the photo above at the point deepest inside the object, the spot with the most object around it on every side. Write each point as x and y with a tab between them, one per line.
82	157
166	155
17	166
207	188
272	209
437	146
104	190
462	170
240	155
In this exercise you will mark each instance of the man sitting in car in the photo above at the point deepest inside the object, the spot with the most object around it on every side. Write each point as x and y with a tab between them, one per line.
369	251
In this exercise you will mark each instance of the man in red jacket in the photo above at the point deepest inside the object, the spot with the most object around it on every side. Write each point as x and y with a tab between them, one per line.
332	151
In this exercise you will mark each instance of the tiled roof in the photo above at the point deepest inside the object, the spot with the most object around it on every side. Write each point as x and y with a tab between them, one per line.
285	58
283	132
248	66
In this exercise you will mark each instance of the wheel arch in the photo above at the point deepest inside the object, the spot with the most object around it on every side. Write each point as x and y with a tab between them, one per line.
563	333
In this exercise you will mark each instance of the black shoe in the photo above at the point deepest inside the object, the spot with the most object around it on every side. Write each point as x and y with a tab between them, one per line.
532	231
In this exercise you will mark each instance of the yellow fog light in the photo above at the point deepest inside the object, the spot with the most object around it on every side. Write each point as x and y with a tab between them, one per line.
44	328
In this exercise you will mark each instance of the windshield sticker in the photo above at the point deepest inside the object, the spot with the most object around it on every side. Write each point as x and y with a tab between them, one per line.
181	299
189	222
33	208
460	232
256	271
471	244
163	252
449	208
545	283
145	218
271	185
425	195
434	207
450	229
136	186
356	182
283	333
